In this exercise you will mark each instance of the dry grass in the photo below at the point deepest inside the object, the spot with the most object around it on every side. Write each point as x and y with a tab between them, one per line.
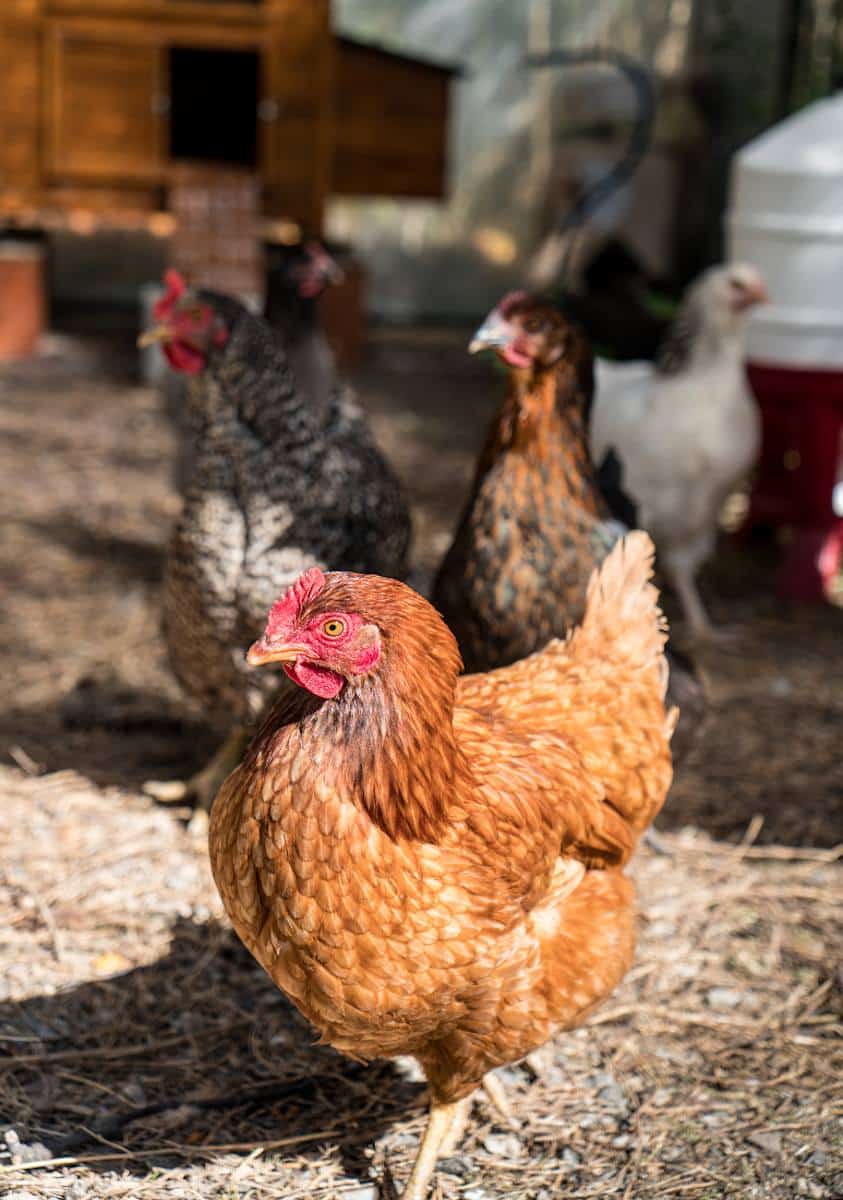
147	1052
144	1051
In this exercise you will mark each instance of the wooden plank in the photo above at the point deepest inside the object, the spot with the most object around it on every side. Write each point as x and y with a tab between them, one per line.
391	124
104	116
116	201
296	105
163	11
20	136
21	8
388	177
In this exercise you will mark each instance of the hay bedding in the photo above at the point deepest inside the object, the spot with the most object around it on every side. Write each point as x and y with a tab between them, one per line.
143	1049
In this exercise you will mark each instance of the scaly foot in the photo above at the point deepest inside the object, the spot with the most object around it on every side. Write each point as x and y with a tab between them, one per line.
442	1118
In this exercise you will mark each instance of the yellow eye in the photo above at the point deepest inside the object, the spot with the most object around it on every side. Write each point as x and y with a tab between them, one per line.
334	628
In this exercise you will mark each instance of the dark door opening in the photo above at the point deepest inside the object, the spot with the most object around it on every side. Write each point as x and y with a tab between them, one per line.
214	100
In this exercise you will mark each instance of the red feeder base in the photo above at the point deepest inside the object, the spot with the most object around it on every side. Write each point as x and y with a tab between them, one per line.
801	462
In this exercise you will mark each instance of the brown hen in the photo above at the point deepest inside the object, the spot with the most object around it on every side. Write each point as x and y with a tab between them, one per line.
538	520
431	865
535	524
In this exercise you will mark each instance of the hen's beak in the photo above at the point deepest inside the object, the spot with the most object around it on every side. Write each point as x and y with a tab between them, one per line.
158	333
262	652
752	294
759	294
494	331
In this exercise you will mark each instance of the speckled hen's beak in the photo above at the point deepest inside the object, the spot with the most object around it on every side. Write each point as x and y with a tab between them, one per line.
158	333
494	331
262	652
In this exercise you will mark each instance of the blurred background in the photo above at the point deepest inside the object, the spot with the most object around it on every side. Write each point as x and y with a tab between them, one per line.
445	161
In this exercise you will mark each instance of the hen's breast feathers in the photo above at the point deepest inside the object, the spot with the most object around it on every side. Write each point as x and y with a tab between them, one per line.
534	526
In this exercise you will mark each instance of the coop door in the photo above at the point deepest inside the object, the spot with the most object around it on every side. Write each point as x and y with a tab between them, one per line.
295	112
105	115
391	124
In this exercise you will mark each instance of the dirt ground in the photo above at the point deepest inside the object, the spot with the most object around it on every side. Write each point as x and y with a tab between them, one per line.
145	1055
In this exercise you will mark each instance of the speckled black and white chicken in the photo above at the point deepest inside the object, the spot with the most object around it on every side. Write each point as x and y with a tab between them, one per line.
278	484
686	429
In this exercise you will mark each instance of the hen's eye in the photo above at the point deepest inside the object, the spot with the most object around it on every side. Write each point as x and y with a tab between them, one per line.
334	628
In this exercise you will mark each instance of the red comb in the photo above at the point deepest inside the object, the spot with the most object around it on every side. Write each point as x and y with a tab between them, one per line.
318	255
511	301
320	270
284	611
176	288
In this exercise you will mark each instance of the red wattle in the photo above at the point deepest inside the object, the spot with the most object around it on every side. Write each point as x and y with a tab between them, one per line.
183	357
515	357
320	680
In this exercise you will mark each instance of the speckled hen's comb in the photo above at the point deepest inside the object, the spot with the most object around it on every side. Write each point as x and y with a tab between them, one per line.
284	611
176	288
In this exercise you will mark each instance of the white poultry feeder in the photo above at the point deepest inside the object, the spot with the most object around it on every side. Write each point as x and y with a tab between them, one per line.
786	217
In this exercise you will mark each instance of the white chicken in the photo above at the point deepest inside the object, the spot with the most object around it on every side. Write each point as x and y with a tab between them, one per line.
685	428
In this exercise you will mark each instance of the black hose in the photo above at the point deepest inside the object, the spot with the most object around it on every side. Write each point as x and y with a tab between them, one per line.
642	85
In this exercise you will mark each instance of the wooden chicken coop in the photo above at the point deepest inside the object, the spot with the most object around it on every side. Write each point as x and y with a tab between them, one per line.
110	105
103	97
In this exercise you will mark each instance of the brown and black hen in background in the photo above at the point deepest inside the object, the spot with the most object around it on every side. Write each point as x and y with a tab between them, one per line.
536	523
277	485
296	276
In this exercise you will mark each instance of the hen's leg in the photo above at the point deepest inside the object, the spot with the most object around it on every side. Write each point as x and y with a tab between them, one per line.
201	788
682	579
442	1119
702	629
681	564
496	1092
456	1132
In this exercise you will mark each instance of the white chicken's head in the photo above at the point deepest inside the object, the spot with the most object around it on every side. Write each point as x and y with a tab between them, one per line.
726	293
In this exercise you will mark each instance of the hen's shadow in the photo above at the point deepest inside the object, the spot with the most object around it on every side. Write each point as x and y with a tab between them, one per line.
195	1051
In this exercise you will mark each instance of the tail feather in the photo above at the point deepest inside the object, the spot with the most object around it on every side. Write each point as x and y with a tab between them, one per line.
622	614
602	690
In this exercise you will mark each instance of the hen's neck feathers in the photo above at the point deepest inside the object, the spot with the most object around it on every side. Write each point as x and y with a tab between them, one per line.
249	383
700	336
543	420
293	315
387	743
